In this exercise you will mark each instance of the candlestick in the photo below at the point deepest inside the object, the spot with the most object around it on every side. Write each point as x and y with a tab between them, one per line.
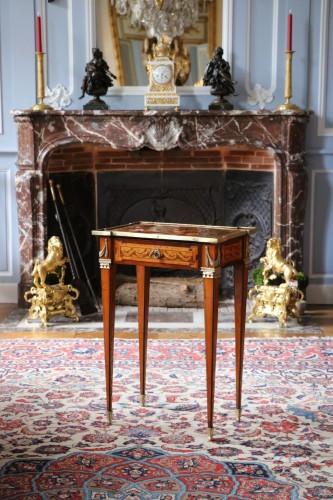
39	47
290	33
40	83
288	83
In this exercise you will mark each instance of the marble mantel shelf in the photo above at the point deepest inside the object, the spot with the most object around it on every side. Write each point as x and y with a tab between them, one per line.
41	132
163	130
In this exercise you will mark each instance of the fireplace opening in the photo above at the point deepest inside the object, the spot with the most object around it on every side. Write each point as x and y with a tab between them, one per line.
102	198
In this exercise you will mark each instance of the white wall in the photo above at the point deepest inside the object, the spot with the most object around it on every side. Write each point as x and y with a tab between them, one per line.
254	39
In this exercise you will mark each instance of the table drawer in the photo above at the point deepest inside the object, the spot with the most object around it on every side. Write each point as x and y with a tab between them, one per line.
232	252
157	254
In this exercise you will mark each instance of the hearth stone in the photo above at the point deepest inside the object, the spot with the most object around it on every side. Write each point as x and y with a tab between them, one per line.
168	320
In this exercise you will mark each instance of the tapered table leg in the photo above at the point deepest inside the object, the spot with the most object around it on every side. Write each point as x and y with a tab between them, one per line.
211	297
143	280
108	278
240	293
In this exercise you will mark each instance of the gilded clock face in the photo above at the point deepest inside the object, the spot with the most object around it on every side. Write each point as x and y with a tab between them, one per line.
162	74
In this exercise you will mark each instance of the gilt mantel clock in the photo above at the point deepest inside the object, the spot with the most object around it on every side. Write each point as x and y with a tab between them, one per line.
162	92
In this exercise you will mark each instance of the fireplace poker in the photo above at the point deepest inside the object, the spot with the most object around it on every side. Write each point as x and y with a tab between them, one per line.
76	245
85	301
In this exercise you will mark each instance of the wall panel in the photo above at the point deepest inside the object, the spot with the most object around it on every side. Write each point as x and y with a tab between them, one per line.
261	64
6	251
325	94
321	224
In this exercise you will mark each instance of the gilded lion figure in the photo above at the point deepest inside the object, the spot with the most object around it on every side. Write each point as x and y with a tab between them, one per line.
54	259
274	261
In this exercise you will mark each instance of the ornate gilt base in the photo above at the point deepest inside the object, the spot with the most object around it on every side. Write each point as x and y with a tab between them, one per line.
287	106
162	101
50	300
41	106
279	301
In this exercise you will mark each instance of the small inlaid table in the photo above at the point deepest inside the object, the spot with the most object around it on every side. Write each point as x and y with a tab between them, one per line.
176	246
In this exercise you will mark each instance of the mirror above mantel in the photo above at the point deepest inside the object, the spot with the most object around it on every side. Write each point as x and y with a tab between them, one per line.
126	47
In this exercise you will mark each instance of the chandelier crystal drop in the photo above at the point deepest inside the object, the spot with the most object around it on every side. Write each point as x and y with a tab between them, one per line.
160	17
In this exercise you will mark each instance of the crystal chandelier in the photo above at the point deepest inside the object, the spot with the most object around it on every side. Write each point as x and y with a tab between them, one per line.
160	17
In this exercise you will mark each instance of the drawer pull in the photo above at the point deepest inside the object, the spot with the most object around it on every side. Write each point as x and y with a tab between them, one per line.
155	253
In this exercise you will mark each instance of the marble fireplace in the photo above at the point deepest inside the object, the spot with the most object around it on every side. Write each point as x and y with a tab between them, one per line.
210	167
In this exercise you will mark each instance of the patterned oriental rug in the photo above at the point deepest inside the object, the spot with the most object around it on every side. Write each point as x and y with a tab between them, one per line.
56	442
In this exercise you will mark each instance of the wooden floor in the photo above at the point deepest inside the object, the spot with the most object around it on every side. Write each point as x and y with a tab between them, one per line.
322	315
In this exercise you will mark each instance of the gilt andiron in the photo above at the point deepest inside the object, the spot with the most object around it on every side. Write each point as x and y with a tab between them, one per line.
48	299
278	300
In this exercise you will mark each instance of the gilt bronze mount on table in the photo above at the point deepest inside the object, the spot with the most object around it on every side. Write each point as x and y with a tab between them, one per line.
47	299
